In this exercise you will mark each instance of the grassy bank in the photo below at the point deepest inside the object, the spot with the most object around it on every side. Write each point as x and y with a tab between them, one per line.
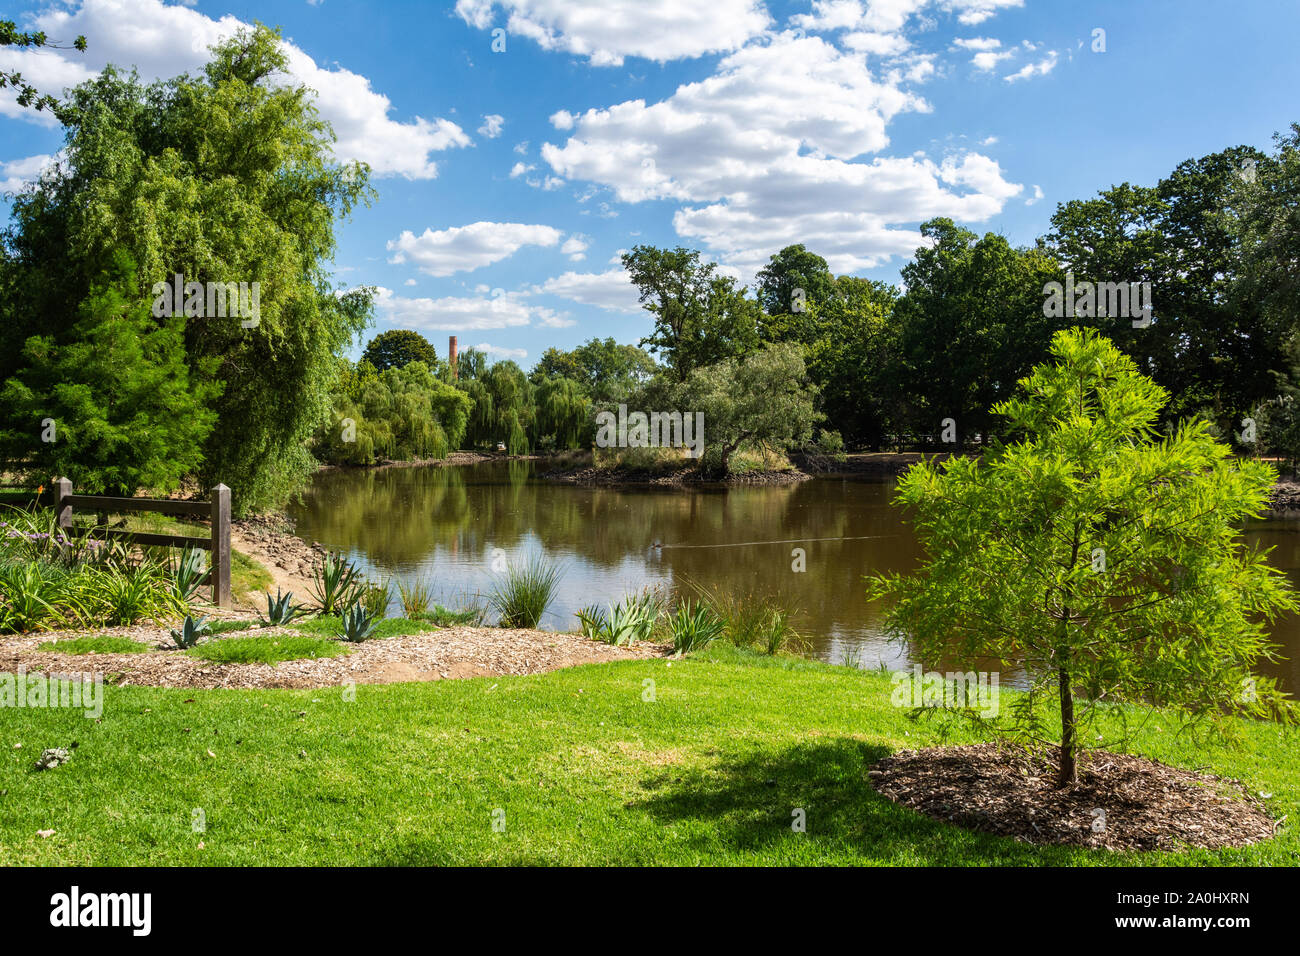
584	768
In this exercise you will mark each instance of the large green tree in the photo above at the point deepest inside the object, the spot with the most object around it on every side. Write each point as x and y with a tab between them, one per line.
28	95
1211	341
397	348
224	177
701	317
793	289
108	399
969	326
760	399
607	371
1105	561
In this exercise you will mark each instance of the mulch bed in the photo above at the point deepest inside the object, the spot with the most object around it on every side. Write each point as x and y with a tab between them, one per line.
453	652
1009	791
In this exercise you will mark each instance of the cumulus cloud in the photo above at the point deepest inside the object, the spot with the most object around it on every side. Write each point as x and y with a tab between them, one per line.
500	351
988	59
459	313
1041	68
611	290
768	150
164	41
16	174
606	31
1038	194
575	247
492	124
465	248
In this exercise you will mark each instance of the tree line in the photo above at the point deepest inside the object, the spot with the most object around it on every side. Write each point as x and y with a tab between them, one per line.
228	176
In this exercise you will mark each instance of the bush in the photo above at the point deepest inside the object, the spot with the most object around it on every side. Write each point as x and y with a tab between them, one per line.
522	595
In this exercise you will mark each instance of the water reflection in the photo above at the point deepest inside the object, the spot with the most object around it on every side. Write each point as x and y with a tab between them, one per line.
444	523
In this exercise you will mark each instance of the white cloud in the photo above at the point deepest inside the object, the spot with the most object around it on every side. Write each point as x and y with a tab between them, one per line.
880	44
611	290
972	12
1038	194
606	31
988	59
164	41
492	123
519	169
410	282
575	247
500	351
767	151
1041	68
989	141
459	313
976	43
16	174
464	248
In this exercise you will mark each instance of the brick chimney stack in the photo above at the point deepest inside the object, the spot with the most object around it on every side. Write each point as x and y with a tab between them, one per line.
451	357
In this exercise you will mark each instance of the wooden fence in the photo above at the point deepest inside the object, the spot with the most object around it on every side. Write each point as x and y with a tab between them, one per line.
217	511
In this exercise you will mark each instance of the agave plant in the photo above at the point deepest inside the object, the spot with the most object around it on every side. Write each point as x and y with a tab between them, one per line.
336	584
190	631
358	624
188	572
280	610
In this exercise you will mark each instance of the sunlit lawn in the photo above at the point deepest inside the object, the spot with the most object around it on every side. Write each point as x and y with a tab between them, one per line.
577	766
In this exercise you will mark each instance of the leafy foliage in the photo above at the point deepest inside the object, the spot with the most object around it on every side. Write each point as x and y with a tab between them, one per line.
1103	560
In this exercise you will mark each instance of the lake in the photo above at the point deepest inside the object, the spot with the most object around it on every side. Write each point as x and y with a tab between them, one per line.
445	523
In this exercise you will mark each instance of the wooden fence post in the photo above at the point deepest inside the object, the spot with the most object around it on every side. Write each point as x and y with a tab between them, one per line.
61	491
220	572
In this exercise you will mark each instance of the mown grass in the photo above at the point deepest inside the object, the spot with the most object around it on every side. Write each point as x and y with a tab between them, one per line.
104	644
584	767
266	650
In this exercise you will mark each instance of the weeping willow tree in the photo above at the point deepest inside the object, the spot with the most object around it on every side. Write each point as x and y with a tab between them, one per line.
502	400
402	414
564	414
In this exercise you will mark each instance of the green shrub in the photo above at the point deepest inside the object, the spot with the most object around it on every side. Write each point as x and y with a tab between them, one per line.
188	572
336	584
416	597
523	593
695	626
632	619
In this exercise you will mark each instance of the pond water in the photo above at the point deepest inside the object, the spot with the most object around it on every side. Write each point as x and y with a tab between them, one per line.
444	524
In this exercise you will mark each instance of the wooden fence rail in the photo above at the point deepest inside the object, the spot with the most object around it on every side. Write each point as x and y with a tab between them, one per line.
217	511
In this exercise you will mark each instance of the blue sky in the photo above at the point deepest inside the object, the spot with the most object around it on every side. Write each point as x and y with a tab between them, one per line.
510	180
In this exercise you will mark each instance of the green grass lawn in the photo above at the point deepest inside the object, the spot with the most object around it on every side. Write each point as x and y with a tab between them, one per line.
266	650
585	770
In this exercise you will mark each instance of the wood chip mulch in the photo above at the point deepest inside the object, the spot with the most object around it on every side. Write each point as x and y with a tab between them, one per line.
454	652
1009	791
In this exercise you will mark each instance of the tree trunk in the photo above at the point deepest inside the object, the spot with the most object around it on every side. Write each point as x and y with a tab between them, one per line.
1068	773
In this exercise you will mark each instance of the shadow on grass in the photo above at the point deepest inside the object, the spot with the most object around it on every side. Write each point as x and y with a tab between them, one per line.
751	799
739	808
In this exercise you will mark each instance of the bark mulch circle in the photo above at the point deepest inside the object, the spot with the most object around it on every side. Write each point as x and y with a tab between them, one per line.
1012	792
